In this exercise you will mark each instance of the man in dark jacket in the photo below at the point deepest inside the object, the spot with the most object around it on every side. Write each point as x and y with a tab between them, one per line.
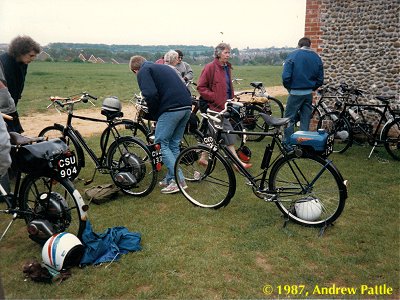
170	103
302	74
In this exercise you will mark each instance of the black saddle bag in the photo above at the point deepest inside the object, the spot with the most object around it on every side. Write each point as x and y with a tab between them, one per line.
37	158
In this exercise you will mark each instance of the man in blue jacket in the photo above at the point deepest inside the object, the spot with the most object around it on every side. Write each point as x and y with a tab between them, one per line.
170	103
303	73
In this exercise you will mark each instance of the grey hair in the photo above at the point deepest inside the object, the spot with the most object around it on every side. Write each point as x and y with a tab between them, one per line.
171	57
136	62
221	47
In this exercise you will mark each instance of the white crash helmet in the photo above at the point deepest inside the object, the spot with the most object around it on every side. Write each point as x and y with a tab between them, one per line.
309	209
62	251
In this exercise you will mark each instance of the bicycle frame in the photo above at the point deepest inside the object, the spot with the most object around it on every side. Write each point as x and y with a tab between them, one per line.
377	133
265	163
75	135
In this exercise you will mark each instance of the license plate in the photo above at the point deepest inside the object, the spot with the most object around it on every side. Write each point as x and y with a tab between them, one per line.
155	151
329	144
67	167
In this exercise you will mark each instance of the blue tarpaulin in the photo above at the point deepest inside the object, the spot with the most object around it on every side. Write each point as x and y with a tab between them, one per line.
109	245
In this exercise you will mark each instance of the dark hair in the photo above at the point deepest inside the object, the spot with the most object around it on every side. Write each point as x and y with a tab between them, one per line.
22	45
180	54
304	42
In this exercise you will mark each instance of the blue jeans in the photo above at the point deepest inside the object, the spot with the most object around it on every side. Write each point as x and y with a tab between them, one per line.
301	104
169	132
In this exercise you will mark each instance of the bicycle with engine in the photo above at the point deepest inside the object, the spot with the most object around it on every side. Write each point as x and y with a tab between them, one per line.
131	163
303	183
43	196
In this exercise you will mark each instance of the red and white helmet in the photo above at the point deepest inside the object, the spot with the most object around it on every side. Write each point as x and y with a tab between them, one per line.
62	251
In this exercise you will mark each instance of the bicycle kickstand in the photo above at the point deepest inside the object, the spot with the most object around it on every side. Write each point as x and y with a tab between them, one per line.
8	226
91	179
373	148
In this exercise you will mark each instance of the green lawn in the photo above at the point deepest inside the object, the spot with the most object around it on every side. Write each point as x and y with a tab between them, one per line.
234	252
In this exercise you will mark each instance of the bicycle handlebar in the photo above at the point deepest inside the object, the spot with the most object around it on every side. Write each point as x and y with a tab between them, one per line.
228	105
62	101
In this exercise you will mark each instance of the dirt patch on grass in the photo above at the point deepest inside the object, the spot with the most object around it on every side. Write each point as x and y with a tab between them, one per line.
33	124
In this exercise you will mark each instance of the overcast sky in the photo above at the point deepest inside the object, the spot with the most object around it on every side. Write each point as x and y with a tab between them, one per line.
253	23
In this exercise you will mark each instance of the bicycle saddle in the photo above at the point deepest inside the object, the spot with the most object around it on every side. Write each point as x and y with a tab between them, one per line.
19	139
384	98
270	120
256	84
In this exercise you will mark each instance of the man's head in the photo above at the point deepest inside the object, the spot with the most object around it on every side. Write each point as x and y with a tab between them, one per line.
136	62
180	54
304	42
24	49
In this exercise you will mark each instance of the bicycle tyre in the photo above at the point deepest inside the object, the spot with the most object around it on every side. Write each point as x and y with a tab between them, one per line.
253	122
340	127
129	156
212	186
63	209
369	118
191	136
276	108
124	127
391	138
302	195
52	132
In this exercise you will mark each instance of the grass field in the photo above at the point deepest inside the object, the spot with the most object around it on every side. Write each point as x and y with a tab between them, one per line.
233	253
47	79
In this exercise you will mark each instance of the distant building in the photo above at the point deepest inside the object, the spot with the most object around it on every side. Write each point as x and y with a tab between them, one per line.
82	57
42	56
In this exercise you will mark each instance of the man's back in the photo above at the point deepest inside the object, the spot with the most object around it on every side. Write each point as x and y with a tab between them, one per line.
303	69
162	88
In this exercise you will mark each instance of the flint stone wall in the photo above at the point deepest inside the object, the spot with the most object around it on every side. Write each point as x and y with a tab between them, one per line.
358	41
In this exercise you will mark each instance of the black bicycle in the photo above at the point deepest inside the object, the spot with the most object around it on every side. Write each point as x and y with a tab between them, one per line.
131	163
43	196
306	187
247	117
378	124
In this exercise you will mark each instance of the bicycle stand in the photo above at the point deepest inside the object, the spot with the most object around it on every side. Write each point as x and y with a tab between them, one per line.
8	226
373	148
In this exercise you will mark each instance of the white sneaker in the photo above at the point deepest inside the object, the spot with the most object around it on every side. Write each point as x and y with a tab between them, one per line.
163	183
171	188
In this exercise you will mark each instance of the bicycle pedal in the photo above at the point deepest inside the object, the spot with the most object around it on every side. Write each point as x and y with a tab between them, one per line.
248	182
271	198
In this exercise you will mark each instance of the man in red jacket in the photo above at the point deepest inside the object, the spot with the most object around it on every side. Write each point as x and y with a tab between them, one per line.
215	86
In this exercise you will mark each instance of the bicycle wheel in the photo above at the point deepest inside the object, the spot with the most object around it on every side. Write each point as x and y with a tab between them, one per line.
369	118
131	166
211	186
340	127
273	107
192	135
391	138
310	191
124	128
52	132
253	122
54	203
